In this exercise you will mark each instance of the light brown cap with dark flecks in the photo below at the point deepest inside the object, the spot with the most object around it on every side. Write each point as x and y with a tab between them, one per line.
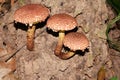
31	13
76	41
61	22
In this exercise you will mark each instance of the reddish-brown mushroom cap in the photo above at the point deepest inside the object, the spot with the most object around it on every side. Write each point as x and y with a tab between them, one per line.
76	41
61	22
31	13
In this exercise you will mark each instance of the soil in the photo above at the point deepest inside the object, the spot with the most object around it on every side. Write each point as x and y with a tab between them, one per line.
42	64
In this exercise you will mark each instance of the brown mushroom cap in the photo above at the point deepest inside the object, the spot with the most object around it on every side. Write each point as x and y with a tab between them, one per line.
76	41
31	13
61	22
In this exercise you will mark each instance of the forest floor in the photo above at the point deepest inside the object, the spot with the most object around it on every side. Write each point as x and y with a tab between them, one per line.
13	44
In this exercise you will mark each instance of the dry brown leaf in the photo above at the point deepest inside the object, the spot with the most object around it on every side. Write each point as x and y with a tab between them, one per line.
11	64
101	74
7	68
3	69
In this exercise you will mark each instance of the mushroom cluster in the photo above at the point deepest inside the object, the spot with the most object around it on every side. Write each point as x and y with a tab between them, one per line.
61	22
75	41
33	13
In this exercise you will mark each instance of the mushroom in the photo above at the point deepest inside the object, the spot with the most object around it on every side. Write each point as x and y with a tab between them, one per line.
60	23
74	41
31	14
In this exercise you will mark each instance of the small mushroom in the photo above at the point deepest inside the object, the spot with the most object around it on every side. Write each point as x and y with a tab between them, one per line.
31	14
74	41
60	23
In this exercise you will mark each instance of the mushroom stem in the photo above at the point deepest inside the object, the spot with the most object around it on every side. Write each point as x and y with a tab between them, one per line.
67	55
60	43
30	37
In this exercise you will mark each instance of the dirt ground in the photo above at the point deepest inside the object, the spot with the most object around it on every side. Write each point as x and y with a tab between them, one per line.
42	64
